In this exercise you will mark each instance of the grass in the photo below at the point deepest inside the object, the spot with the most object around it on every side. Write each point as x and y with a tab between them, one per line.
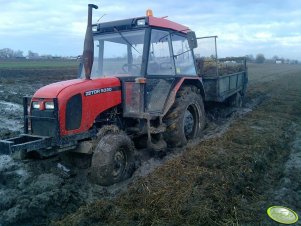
38	64
221	181
37	68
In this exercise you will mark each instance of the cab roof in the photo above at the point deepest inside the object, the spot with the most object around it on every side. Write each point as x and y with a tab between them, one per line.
139	22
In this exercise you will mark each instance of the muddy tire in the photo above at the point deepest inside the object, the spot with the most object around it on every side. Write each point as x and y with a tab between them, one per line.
235	100
186	118
113	159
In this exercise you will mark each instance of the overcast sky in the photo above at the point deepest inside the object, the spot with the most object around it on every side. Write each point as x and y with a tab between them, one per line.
271	27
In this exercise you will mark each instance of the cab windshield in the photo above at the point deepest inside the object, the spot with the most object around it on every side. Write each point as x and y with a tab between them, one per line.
118	53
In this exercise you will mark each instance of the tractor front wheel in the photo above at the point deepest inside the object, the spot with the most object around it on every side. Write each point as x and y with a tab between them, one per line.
113	159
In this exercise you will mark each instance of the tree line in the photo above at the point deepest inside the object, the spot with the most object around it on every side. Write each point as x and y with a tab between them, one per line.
7	53
260	59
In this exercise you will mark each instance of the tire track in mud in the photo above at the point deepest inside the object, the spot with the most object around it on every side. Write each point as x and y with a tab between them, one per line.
35	192
224	181
287	191
32	192
218	120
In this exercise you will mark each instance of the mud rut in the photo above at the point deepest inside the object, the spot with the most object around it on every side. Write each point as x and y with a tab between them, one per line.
35	192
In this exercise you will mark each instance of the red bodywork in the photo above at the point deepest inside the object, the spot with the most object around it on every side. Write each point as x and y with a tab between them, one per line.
161	22
92	105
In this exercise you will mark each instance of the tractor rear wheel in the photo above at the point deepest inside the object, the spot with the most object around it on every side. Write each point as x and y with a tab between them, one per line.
186	118
113	159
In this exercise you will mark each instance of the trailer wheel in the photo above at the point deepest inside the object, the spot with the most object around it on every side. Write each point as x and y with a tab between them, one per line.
113	159
186	118
235	100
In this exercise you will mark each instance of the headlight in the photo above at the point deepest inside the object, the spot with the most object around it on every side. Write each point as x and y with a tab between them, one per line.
49	105
35	105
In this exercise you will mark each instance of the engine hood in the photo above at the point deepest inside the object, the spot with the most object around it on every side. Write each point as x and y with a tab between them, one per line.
53	90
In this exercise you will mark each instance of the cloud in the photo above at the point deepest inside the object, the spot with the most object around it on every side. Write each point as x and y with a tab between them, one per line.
263	36
58	27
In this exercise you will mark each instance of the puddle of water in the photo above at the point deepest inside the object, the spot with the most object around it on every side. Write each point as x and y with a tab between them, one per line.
21	172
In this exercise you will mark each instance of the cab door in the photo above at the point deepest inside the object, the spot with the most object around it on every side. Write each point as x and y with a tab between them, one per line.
160	71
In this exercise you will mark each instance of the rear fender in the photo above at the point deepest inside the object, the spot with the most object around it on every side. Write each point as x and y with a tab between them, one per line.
192	81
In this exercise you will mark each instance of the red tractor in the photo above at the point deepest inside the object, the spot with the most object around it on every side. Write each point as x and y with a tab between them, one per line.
138	81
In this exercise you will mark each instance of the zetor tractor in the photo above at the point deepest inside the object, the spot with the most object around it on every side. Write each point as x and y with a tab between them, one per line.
138	82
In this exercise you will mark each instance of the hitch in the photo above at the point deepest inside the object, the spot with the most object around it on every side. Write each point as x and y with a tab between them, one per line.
24	143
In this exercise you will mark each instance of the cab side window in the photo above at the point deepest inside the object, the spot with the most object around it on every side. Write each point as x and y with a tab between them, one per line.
182	55
160	60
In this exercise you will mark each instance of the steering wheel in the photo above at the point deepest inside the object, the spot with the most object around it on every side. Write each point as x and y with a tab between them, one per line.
125	67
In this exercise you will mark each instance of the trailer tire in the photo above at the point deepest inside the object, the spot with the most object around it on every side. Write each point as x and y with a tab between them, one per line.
113	159
235	100
186	118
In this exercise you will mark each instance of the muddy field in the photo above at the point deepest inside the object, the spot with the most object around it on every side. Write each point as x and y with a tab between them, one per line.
245	162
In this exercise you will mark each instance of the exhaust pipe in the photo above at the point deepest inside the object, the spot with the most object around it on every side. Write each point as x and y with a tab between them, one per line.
88	53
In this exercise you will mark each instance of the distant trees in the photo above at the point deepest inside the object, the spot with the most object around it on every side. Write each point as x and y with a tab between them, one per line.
32	55
250	58
295	61
8	53
260	58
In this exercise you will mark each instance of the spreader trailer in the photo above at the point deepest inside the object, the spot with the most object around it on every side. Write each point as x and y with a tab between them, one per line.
139	83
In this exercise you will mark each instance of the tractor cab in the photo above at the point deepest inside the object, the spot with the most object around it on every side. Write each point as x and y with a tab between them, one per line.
149	55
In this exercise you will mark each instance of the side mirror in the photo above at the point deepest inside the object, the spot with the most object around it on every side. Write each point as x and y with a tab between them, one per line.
192	41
